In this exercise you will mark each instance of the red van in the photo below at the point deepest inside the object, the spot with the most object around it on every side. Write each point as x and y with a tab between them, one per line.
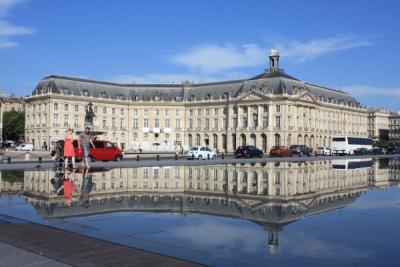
103	150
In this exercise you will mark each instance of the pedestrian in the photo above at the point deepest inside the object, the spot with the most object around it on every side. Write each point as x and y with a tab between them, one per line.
84	143
69	148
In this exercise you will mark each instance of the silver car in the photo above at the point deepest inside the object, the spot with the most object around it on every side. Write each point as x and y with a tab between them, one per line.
323	151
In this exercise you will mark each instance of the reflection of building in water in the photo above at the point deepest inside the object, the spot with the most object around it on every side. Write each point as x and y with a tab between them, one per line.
8	183
385	173
270	194
394	169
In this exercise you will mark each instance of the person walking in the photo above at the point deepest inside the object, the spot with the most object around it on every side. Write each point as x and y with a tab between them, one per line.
69	148
84	142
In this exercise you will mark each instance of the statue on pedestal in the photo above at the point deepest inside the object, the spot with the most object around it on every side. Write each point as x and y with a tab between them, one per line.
89	115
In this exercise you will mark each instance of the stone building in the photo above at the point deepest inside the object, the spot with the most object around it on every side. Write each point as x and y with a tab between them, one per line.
394	127
378	123
13	103
269	109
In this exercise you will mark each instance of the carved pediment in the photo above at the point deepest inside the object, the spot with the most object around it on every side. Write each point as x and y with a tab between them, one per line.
307	97
252	96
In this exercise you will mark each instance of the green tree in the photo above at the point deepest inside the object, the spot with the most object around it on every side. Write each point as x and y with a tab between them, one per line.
13	125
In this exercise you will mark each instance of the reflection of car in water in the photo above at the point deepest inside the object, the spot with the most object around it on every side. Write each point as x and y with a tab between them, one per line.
59	175
103	150
350	164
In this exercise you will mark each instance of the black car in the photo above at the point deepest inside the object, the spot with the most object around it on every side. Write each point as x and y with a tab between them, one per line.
300	150
361	151
248	152
378	151
394	150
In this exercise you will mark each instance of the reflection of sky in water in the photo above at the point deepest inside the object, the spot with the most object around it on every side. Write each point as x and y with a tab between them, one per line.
366	233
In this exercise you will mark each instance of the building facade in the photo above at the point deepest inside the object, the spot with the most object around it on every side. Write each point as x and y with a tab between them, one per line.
13	103
266	110
378	123
394	127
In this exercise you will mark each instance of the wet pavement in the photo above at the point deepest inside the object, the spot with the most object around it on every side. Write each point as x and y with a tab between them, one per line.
49	247
331	212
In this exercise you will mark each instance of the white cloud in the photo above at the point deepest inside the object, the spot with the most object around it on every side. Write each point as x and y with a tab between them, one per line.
176	78
8	29
209	58
306	51
365	90
7	44
306	245
215	58
209	62
7	5
222	235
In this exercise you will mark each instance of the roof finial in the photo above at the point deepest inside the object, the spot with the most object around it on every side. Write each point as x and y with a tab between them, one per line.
273	59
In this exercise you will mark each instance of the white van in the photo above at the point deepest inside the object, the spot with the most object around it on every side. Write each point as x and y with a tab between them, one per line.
24	147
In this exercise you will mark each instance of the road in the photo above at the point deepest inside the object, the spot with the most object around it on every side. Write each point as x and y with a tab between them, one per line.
170	161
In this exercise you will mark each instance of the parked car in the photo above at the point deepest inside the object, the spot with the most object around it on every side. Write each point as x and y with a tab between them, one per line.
201	152
9	143
378	151
248	152
280	151
324	151
103	150
3	158
25	147
361	151
394	150
300	150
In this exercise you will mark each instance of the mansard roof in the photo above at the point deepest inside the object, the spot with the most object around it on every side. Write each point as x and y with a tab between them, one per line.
270	82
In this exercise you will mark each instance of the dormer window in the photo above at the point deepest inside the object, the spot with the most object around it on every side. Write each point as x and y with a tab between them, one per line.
177	98
120	96
103	94
191	98
85	92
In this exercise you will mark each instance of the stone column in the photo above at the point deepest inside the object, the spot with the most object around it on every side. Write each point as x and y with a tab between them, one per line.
260	116
239	117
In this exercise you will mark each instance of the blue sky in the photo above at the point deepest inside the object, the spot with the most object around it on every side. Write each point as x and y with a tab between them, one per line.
351	45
